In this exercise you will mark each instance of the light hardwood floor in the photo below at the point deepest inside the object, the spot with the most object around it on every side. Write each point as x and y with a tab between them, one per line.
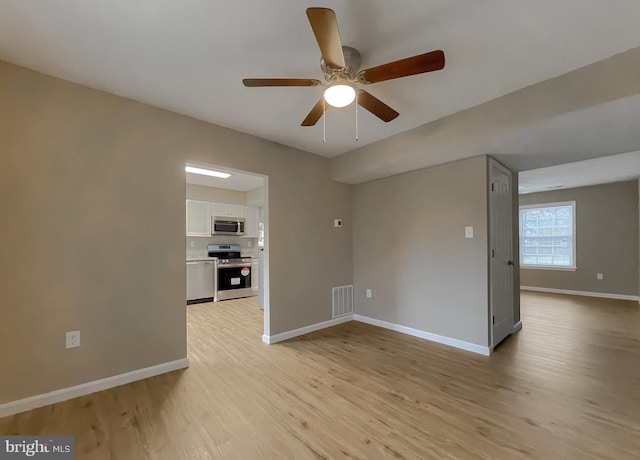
567	386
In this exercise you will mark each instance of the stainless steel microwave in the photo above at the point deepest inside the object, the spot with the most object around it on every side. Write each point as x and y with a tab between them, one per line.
227	226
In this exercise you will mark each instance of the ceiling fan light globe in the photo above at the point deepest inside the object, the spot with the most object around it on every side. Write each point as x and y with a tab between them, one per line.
340	95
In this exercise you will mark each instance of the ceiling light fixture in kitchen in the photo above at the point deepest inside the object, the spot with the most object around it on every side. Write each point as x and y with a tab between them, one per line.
206	172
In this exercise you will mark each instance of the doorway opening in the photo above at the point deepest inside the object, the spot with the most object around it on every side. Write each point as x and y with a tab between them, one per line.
226	236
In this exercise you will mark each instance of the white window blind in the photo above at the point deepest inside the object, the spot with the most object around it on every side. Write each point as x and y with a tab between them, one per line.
548	236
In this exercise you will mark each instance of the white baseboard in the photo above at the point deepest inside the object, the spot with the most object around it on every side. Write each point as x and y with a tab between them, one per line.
376	322
516	327
425	335
604	295
305	330
53	397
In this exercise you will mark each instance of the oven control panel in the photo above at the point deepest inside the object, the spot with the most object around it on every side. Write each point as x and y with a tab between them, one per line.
244	260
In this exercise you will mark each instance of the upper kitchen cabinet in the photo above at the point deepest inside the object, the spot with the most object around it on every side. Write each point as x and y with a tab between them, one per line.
198	218
228	210
252	219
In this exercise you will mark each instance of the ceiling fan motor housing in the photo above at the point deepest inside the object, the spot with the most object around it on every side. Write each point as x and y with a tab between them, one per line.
352	61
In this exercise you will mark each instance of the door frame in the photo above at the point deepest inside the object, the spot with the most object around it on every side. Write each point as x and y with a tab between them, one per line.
264	277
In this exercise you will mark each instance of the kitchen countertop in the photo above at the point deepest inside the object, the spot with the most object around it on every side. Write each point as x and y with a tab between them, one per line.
201	258
206	258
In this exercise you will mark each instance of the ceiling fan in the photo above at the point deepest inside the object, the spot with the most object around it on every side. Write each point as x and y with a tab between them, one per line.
341	64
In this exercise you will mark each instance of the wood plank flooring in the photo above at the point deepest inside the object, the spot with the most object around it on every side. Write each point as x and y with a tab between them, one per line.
567	386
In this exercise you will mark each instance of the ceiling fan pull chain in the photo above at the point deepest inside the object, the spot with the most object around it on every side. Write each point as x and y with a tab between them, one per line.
324	121
356	118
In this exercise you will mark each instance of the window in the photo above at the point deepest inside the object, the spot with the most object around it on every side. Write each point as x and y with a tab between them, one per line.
548	235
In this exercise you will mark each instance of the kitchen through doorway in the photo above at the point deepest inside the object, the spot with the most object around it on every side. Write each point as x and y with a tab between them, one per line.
227	235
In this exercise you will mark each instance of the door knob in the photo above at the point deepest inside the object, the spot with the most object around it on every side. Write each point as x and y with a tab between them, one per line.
509	262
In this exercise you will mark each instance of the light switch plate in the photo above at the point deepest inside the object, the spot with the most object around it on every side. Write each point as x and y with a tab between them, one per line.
468	231
73	339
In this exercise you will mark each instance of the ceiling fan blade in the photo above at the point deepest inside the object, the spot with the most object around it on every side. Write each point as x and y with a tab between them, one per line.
325	28
314	115
427	62
259	82
376	106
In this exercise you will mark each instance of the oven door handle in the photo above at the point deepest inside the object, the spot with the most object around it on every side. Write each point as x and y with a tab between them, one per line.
248	265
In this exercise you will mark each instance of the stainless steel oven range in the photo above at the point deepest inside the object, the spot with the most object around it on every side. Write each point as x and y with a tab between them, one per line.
232	272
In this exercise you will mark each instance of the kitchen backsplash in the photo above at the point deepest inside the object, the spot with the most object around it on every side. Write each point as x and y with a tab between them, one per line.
200	244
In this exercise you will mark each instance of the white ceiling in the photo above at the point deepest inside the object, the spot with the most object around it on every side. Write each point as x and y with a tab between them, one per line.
614	168
190	57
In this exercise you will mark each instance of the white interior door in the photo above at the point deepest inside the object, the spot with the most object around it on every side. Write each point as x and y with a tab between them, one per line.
501	252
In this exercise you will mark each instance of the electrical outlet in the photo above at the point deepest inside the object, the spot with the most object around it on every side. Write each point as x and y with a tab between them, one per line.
193	244
369	294
73	339
337	223
599	276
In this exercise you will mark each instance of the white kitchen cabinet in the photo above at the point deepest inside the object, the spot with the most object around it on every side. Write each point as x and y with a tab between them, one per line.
198	218
220	209
236	210
228	210
252	219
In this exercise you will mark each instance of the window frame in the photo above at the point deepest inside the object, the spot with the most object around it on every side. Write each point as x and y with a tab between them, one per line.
572	267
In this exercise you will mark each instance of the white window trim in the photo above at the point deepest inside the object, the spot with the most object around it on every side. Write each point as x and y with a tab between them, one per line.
565	268
559	268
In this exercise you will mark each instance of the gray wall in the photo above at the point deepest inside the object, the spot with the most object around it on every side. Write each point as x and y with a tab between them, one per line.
92	235
606	240
410	249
